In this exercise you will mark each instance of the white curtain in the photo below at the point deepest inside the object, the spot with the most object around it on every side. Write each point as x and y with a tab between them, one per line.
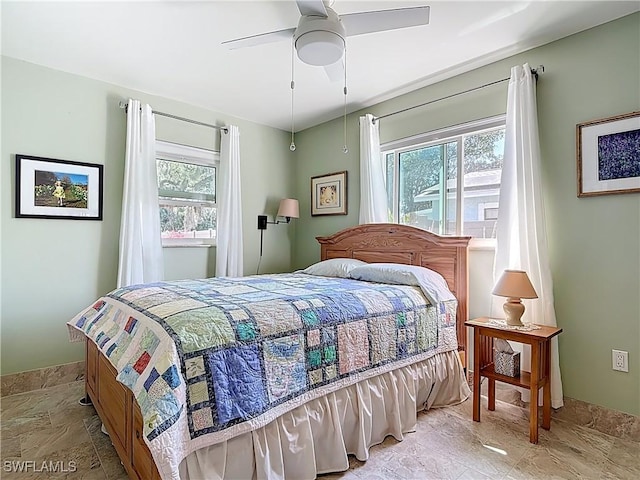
140	259
373	196
521	231
229	240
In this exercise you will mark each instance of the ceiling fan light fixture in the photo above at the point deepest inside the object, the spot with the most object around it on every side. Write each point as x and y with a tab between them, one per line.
320	37
320	48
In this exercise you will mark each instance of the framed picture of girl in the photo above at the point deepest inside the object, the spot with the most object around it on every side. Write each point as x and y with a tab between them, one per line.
58	189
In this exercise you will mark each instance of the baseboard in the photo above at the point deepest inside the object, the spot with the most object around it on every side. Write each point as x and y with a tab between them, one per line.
612	422
21	382
605	420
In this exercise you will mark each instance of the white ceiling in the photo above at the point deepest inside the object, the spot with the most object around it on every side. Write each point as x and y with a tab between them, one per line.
173	49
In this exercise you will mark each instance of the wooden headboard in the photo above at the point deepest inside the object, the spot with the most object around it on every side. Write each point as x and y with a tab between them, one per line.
393	243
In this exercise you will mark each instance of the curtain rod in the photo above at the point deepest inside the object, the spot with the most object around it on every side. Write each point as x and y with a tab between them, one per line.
175	117
534	71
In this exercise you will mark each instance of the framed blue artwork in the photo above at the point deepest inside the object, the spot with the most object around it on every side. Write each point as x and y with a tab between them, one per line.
608	152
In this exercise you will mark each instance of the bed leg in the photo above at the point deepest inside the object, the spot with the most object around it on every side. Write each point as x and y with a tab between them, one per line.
85	401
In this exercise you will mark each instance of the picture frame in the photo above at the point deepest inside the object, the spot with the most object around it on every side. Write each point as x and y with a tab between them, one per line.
58	189
329	194
608	155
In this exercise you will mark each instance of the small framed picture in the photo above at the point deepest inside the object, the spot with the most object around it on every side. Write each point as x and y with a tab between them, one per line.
58	189
608	153
329	194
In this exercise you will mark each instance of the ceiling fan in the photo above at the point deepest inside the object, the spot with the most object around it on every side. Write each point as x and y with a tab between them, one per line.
319	38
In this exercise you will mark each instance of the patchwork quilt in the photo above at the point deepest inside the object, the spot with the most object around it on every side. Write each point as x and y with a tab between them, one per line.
211	359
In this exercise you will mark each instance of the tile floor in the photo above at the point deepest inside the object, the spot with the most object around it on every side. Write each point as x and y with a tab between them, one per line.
49	425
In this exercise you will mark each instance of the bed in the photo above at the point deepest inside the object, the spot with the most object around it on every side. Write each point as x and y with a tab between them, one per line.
349	361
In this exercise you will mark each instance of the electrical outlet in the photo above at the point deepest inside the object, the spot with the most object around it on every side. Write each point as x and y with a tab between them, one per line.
620	360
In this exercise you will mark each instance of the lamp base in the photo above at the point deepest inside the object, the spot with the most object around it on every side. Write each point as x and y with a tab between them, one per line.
513	310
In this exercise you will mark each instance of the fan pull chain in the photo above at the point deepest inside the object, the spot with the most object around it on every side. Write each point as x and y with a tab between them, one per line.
344	148
292	147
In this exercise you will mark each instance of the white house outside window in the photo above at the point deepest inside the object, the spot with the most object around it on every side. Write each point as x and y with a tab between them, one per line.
426	190
187	194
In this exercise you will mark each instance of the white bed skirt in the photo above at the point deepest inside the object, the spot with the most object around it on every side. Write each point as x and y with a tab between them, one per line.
316	437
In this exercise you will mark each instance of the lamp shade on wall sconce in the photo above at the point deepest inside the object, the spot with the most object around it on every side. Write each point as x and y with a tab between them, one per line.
289	208
515	285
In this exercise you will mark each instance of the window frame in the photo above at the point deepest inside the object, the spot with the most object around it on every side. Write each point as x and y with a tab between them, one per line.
440	136
176	152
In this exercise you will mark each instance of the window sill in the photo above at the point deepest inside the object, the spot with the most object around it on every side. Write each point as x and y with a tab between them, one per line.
189	245
482	244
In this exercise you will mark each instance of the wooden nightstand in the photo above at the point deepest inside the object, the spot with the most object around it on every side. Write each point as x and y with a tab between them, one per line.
540	340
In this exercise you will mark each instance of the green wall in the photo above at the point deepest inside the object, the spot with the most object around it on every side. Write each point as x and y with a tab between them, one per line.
51	269
594	242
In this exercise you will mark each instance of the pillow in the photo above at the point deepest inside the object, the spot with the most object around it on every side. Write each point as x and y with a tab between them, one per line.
334	267
432	284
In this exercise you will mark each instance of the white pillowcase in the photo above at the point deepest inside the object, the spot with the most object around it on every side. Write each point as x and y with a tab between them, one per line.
334	267
432	284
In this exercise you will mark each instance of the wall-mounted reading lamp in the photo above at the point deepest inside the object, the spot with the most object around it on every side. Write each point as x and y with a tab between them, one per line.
289	208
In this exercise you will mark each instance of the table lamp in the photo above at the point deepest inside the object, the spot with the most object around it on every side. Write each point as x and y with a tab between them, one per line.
515	285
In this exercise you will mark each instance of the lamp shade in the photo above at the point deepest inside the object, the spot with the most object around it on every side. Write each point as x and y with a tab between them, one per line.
289	208
516	284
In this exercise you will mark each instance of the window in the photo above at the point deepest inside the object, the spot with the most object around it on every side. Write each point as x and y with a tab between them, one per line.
488	211
423	180
187	194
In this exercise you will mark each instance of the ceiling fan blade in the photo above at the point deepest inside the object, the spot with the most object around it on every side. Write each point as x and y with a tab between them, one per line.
381	20
260	39
335	71
312	7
